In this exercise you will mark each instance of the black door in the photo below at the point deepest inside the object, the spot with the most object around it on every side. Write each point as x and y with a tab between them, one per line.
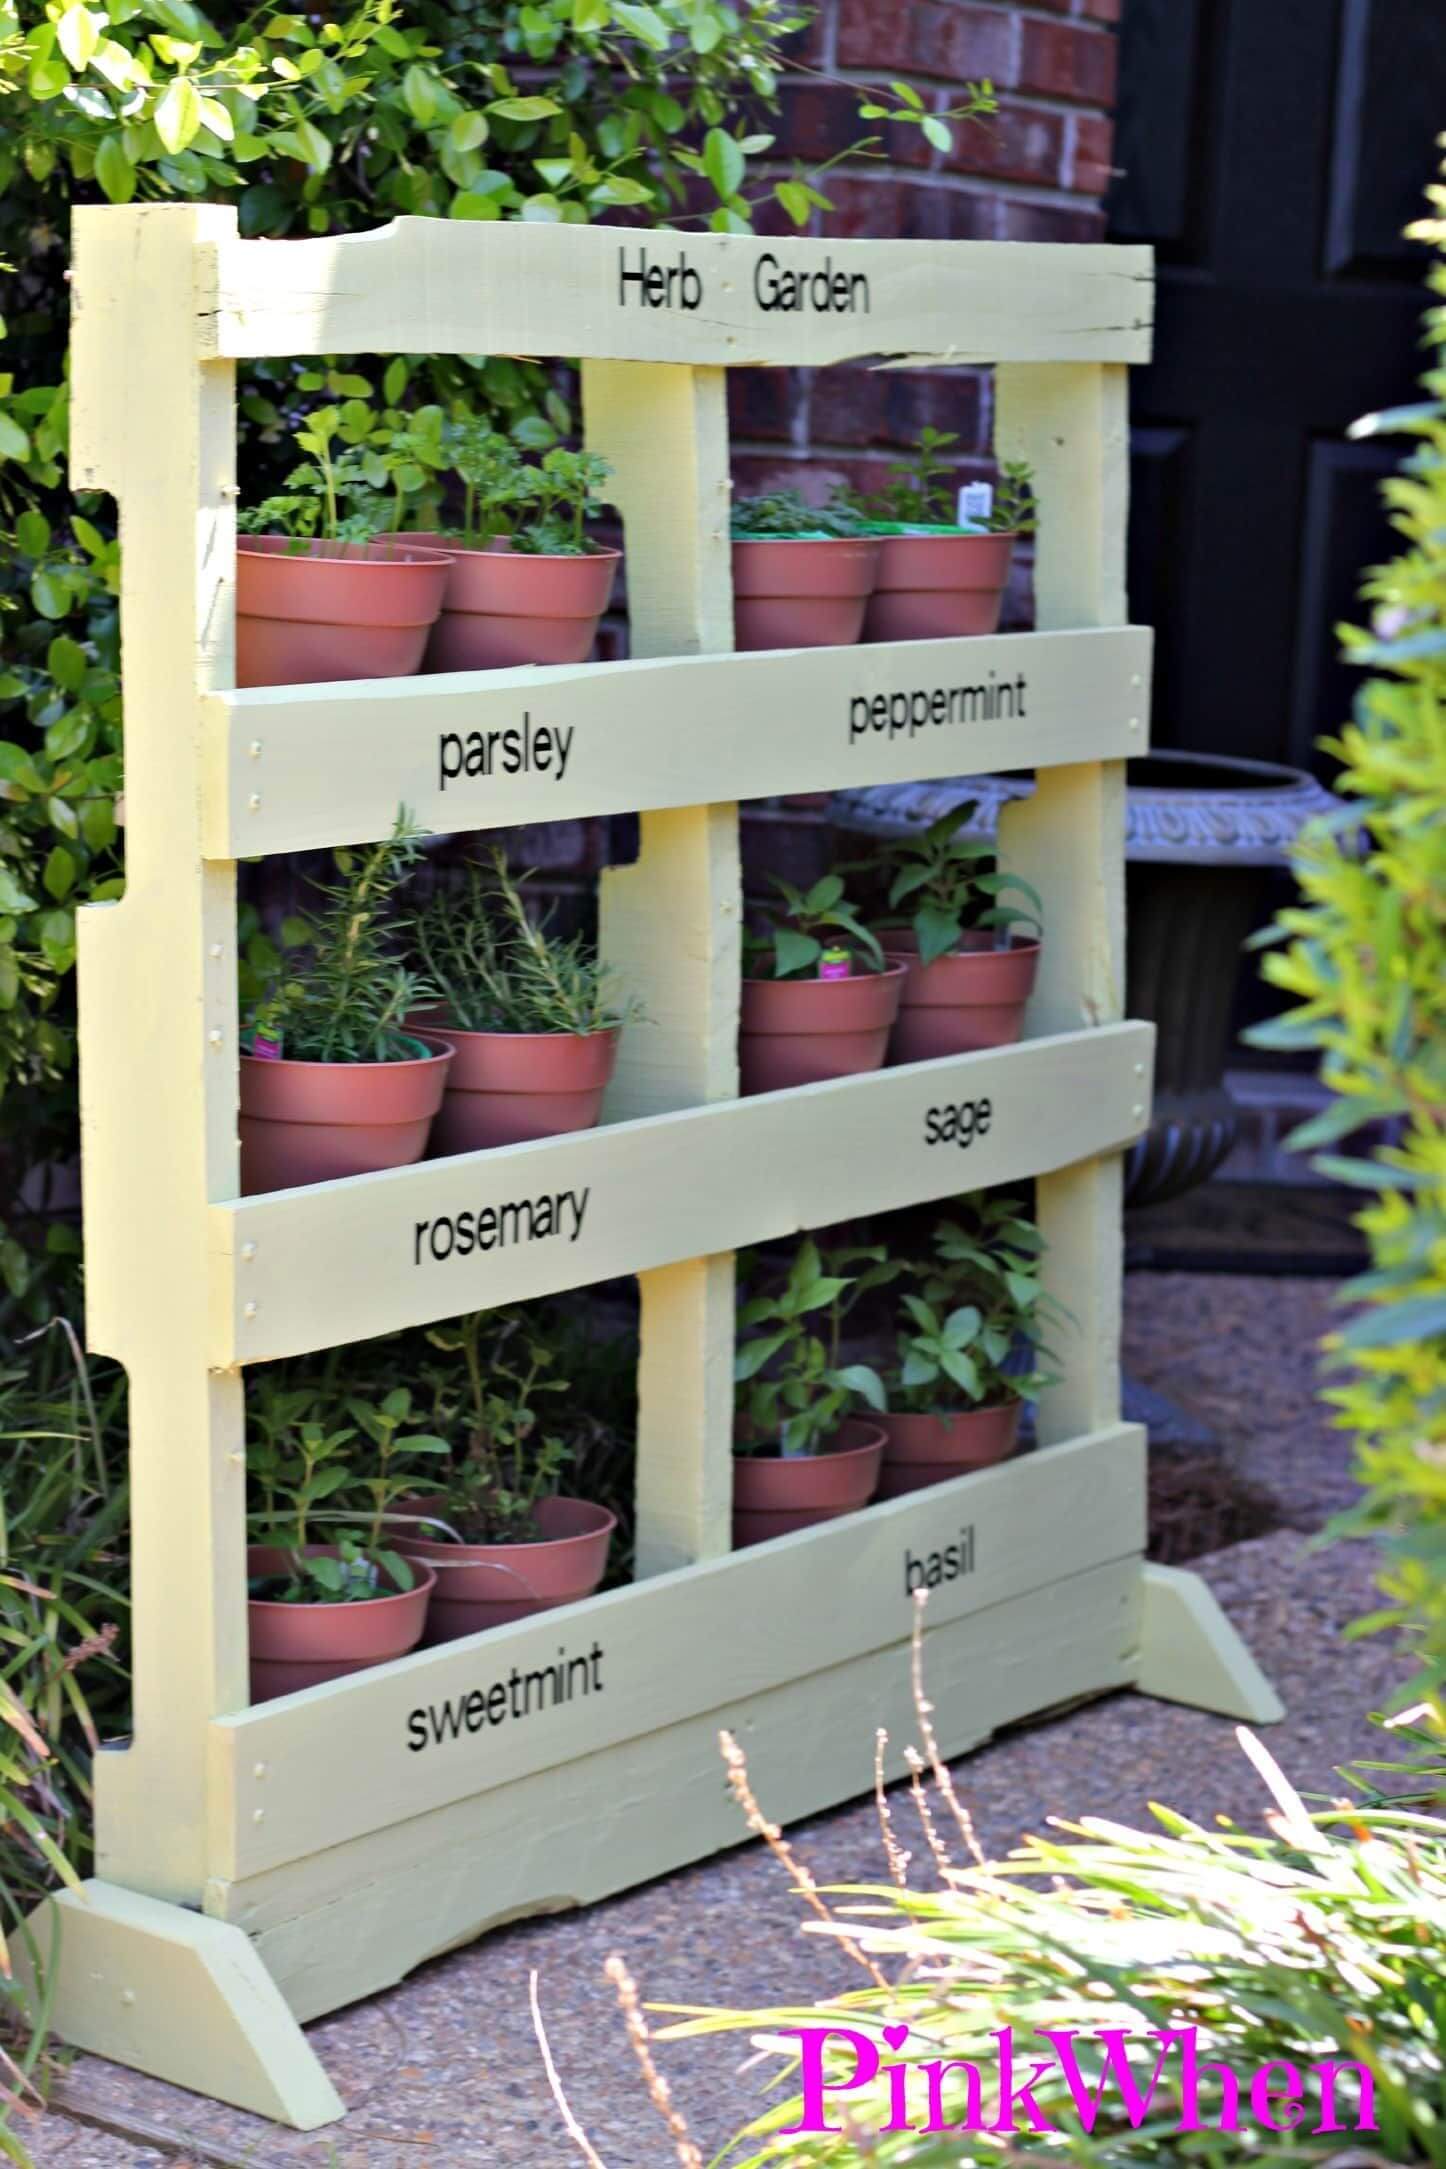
1272	150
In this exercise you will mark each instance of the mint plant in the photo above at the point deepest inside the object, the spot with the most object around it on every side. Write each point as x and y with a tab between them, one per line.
797	1394
302	1469
802	925
921	490
333	989
504	1466
499	970
953	885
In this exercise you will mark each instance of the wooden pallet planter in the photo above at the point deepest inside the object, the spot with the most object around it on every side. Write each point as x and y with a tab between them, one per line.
258	1867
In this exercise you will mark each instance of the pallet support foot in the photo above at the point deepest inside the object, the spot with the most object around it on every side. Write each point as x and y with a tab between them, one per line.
179	1996
1190	1653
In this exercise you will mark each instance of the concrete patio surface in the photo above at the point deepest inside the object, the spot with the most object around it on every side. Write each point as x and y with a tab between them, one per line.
444	2070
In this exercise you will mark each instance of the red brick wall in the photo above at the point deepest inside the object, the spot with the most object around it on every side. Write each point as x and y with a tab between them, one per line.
1035	172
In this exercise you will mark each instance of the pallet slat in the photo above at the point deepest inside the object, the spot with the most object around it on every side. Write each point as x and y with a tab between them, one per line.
310	1268
290	768
438	286
447	1723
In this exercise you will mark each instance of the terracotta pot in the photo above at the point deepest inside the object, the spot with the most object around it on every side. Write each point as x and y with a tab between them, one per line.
506	1087
772	1496
923	1450
485	1585
806	594
503	607
332	610
300	1645
313	1121
972	997
933	587
799	1031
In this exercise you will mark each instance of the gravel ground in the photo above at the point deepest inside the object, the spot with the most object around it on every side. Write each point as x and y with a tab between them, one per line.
444	2071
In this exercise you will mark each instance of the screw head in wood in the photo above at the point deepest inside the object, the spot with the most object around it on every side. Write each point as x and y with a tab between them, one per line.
214	1038
248	1252
248	1310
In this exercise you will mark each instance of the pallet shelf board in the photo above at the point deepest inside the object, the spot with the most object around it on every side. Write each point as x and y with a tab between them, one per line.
434	286
291	768
360	1916
347	1758
309	1268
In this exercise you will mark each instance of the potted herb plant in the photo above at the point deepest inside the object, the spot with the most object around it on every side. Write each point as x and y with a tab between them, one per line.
971	955
328	1591
527	584
503	1542
802	1453
323	589
529	1016
938	577
802	574
825	1006
969	1348
332	1081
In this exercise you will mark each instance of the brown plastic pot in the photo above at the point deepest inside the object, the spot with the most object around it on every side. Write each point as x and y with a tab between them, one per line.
300	1645
810	593
923	1450
772	1496
486	1585
800	1031
934	587
506	1087
314	1121
974	996
321	611
503	607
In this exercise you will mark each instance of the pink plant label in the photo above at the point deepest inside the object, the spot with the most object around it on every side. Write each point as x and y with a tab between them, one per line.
266	1046
835	964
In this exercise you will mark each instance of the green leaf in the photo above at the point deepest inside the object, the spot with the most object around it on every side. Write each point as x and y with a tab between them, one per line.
113	170
419	91
50	592
645	23
32	532
178	115
66	661
793	952
723	162
59	874
467	131
1390	1325
468	204
524	109
938	132
938	932
78	34
860	1379
907	92
590	15
14	443
793	196
13	898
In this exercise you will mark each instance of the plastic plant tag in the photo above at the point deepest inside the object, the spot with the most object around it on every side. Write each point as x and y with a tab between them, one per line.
265	1046
835	964
976	501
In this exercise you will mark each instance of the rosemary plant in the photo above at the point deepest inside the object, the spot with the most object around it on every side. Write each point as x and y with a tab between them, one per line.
497	969
339	993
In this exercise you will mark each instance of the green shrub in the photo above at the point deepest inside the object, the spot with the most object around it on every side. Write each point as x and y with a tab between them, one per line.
1365	958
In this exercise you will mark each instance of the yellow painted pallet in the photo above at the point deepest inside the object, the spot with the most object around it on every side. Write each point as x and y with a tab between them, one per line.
257	1867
